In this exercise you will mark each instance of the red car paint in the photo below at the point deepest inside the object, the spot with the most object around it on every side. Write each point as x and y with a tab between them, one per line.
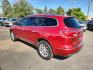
63	40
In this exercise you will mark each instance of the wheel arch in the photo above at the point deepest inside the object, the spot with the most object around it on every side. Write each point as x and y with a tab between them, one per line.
40	39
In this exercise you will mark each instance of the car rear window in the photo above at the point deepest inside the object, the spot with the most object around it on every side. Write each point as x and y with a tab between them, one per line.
72	22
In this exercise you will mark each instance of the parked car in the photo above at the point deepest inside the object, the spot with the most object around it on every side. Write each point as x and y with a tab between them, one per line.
83	25
9	22
90	25
51	34
86	21
2	19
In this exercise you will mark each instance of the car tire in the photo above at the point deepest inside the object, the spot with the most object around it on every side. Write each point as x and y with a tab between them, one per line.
12	36
44	50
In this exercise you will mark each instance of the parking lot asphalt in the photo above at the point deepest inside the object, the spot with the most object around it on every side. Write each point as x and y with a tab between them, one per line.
21	56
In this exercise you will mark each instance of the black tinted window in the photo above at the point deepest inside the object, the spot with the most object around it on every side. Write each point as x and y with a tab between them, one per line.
29	21
47	21
24	22
33	21
71	22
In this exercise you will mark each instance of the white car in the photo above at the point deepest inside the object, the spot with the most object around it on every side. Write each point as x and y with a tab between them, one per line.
9	22
83	25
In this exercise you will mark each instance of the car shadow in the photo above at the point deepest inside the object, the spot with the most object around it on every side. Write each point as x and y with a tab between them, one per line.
91	30
61	57
29	44
34	47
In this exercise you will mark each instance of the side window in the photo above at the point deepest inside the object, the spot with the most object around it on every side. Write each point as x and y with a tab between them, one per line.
24	22
43	21
33	21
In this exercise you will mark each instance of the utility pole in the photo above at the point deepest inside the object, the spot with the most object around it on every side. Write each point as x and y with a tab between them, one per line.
89	3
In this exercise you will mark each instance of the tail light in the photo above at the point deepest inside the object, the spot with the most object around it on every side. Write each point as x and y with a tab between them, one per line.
69	33
71	37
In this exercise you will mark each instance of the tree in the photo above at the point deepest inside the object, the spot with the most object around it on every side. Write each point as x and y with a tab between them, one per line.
6	8
39	11
45	10
60	11
22	8
69	12
51	11
76	12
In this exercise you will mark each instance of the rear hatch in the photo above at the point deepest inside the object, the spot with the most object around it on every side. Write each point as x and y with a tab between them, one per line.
73	32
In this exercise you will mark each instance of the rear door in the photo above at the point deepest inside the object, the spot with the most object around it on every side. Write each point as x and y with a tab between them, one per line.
29	29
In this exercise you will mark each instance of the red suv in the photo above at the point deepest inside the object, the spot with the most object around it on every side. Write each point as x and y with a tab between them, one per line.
51	34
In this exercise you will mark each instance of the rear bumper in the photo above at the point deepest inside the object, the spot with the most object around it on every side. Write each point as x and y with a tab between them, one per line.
67	52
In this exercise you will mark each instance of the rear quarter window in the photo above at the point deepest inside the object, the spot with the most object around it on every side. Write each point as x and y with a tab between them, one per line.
71	22
43	21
